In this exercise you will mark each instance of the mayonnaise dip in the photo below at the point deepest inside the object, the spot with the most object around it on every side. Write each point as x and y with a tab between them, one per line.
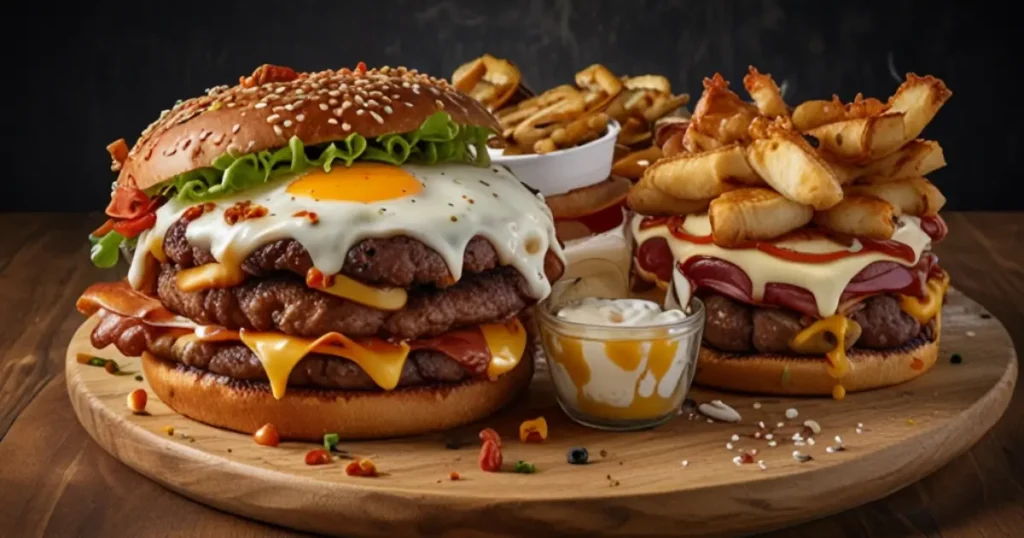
618	313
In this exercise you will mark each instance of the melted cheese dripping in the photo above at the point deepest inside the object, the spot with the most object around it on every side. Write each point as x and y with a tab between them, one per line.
382	361
457	203
826	281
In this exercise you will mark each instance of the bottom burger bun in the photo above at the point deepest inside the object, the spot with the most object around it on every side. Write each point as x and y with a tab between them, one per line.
807	376
308	414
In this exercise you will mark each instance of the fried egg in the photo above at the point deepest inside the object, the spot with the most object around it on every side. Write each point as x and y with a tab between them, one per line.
443	206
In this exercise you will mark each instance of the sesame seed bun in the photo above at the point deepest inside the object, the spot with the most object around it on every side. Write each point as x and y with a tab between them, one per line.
307	414
807	376
317	107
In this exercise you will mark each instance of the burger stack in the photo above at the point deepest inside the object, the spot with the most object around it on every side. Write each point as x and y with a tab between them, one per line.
806	232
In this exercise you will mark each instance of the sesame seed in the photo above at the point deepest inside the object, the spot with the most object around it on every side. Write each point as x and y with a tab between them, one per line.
360	112
277	129
396	96
377	117
408	104
333	102
360	100
386	99
810	441
405	84
332	121
375	93
372	103
685	463
760	463
971	334
300	117
273	118
773	443
438	103
276	109
204	136
287	107
346	104
334	93
416	90
280	90
738	460
261	105
757	405
287	123
235	128
299	91
388	110
792	413
346	126
338	111
323	106
728	446
298	103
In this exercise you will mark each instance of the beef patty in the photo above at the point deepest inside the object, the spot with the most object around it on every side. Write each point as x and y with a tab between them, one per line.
232	359
285	304
734	326
397	261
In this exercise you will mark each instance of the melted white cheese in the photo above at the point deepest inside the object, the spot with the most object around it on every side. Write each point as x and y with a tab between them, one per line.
826	281
457	202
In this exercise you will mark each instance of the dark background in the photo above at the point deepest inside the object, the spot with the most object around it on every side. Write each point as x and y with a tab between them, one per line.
77	78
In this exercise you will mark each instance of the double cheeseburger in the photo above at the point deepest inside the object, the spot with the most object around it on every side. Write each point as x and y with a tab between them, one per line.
806	232
326	252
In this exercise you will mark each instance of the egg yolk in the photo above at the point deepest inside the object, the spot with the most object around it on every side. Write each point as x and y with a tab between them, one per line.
362	182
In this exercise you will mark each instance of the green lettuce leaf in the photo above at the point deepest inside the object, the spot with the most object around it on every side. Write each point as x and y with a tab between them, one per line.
437	140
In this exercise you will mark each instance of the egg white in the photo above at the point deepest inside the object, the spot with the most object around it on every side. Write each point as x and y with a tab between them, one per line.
458	202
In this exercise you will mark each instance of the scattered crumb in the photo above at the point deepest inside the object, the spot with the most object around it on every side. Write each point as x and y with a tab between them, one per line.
760	463
728	446
757	405
792	413
685	463
603	453
735	437
971	334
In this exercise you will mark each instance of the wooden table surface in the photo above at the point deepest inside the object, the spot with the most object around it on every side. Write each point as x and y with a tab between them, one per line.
55	481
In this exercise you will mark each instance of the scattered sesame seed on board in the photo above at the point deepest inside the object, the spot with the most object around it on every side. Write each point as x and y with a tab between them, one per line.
287	123
332	121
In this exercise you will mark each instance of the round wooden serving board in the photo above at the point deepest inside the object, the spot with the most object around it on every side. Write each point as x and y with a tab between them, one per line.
634	485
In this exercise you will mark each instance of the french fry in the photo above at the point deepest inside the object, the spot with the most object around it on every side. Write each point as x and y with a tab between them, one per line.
915	159
916	196
861	140
811	114
754	213
539	125
596	80
645	199
657	83
721	114
791	166
695	141
633	132
702	175
490	80
634	164
765	92
918	99
862	216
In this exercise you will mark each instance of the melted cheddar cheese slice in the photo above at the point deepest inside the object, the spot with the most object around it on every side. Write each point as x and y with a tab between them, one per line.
382	361
839	326
279	353
211	275
389	299
507	343
925	309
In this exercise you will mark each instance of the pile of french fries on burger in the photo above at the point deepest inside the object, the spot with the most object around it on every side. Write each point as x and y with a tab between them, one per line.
753	168
573	114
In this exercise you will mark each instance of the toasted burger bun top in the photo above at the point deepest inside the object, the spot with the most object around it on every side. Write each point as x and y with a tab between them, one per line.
265	110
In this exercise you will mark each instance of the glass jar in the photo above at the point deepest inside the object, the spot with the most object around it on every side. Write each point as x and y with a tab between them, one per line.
616	377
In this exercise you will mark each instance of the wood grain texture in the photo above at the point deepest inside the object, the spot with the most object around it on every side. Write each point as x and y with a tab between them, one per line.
638	489
56	481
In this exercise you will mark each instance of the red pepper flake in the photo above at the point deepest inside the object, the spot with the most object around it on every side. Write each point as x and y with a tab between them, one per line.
244	211
488	434
917	364
361	68
268	73
453	476
317	280
363	467
317	456
313	218
490	456
197	211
